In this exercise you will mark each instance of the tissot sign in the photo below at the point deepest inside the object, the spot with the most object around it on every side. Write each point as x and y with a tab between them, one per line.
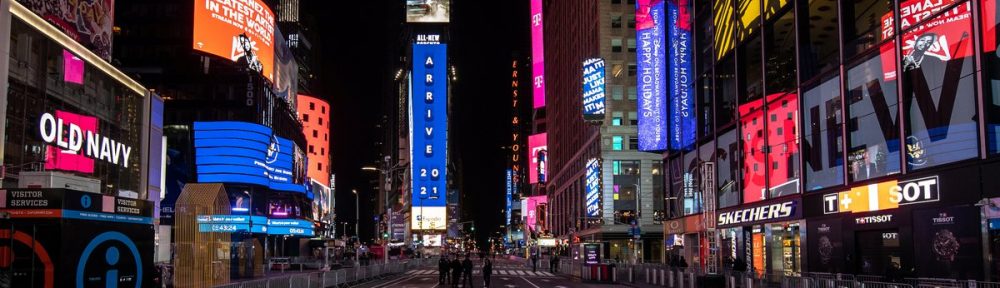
759	214
884	195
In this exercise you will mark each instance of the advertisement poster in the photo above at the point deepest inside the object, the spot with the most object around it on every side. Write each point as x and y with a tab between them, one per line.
535	219
72	159
537	147
592	253
593	89
681	86
652	71
752	138
240	152
826	246
286	72
428	11
218	24
593	187
88	22
952	238
952	25
429	150
537	55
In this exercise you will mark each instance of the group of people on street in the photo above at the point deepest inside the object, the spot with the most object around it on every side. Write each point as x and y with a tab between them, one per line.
553	263
460	272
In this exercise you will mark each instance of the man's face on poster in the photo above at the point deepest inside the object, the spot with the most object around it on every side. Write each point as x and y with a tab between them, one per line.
924	42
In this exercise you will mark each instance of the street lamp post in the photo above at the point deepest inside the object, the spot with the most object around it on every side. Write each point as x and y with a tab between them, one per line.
357	213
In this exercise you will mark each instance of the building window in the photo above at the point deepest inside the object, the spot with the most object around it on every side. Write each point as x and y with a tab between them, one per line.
322	151
728	166
633	143
322	109
305	117
616	45
783	145
315	133
991	78
616	143
630	43
779	42
872	129
320	120
617	70
616	1
616	118
312	106
725	93
632	69
319	166
625	189
632	94
818	39
633	118
822	136
861	24
617	92
659	194
616	21
311	149
631	19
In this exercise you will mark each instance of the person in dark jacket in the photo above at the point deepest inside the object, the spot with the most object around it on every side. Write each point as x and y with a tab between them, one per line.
456	272
682	263
443	270
467	271
487	272
739	265
534	263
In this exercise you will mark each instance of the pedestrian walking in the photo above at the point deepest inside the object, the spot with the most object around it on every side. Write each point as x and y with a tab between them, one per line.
534	263
456	271
556	266
443	270
552	263
487	272
467	271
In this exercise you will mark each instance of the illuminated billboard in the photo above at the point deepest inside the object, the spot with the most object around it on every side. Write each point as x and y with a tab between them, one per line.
535	218
948	30
682	107
72	157
429	134
592	184
240	152
537	55
218	24
538	149
652	71
509	198
428	11
88	22
593	89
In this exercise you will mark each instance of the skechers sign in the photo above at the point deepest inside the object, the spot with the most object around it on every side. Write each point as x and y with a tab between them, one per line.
593	89
70	137
240	152
881	196
428	127
652	71
754	215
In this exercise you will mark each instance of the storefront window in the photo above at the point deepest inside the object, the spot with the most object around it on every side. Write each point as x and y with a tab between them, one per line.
991	76
691	186
49	82
873	120
939	90
818	39
625	190
705	154
780	43
783	145
703	35
784	249
750	69
862	20
676	204
705	99
728	166
822	139
725	91
752	140
658	189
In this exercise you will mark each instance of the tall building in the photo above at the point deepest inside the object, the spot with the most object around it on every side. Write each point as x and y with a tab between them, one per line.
314	113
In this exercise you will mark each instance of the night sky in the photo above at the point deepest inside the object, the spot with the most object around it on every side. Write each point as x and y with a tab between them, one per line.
357	38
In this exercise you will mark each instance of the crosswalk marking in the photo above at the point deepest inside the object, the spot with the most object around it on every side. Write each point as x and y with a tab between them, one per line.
480	272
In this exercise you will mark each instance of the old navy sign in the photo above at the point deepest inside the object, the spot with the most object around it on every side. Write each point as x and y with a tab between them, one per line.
765	213
69	136
884	195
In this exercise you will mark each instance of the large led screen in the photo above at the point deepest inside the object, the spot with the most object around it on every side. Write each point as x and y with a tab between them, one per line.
73	158
218	24
538	149
592	184
428	11
649	17
88	22
948	27
240	152
752	138
682	107
429	132
593	89
537	55
535	220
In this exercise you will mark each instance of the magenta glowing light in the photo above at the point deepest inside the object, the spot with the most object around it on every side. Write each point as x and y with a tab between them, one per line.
537	55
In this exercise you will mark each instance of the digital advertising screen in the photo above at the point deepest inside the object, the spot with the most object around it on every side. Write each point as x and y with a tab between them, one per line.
72	158
218	24
535	220
429	138
72	68
537	147
593	89
682	107
509	197
652	71
537	55
592	184
946	31
428	11
240	152
88	22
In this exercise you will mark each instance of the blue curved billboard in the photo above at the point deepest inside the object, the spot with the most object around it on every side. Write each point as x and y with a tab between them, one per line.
247	153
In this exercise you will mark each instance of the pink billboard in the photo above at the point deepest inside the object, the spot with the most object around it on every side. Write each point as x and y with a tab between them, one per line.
71	160
537	55
538	149
535	218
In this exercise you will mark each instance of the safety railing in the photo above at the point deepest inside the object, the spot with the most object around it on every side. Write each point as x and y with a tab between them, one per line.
335	278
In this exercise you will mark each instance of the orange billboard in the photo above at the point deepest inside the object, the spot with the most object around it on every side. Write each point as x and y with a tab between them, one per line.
218	24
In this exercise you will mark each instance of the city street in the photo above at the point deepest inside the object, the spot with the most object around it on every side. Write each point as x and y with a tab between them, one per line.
506	274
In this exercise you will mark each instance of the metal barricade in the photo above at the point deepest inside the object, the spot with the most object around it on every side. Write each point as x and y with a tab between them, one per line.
797	282
884	285
935	283
834	283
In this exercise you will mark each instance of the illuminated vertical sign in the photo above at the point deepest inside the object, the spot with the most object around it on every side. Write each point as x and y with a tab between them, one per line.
514	172
652	71
537	146
509	197
428	136
537	54
682	110
593	89
592	184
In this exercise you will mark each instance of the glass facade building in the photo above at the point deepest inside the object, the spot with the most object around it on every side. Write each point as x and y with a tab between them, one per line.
872	122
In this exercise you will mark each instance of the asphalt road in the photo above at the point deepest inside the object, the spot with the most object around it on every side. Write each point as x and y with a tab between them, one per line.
506	274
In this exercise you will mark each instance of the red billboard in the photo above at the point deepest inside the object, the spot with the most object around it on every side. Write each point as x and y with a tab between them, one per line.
57	158
933	37
218	24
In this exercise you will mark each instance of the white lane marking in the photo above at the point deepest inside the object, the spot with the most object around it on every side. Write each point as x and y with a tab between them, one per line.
505	278
529	282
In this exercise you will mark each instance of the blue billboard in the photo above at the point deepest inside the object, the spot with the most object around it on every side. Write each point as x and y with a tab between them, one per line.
593	89
649	32
246	153
510	195
429	130
592	184
682	108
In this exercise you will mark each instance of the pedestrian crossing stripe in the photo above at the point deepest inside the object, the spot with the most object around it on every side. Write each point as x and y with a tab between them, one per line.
495	272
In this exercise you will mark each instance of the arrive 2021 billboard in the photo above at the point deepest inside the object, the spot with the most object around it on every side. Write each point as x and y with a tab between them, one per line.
649	19
429	138
218	24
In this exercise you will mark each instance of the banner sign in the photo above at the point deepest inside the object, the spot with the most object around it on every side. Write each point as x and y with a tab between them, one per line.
429	132
682	107
651	73
592	185
593	89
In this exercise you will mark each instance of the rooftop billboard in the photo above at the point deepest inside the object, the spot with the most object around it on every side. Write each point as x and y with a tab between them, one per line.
428	11
218	24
